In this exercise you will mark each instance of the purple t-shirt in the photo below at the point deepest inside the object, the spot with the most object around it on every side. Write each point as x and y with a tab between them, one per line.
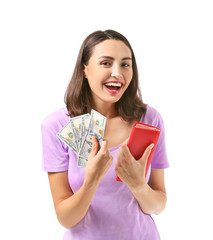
114	213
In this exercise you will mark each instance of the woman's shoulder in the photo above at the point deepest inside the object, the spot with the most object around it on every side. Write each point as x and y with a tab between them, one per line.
56	119
152	116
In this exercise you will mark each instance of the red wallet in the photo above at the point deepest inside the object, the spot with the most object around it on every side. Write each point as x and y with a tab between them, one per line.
141	136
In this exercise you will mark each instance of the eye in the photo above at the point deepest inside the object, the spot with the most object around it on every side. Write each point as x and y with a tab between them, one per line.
105	63
125	65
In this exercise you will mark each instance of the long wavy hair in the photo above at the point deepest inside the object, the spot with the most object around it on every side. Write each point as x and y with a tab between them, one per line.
78	97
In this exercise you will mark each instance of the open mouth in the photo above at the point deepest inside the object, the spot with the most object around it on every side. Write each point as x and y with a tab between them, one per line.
113	87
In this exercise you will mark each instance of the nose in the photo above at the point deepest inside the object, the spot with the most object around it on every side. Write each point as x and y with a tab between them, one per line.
116	72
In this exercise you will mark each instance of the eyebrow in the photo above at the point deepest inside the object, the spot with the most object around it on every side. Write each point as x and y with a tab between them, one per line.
111	58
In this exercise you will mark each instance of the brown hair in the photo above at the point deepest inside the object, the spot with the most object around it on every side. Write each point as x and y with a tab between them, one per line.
78	97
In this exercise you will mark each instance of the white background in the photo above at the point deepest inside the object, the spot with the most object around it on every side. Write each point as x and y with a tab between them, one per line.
173	44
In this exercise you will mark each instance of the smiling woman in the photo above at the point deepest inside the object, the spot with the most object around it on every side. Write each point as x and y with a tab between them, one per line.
109	76
114	87
109	54
89	202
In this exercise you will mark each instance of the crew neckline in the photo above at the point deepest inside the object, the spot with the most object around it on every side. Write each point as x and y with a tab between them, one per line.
114	148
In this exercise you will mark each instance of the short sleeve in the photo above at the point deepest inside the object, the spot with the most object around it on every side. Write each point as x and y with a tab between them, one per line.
55	155
160	159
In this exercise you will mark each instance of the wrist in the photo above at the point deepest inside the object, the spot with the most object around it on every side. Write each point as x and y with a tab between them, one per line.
140	188
93	185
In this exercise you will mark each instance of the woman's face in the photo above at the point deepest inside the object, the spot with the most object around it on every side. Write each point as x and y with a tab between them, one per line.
109	71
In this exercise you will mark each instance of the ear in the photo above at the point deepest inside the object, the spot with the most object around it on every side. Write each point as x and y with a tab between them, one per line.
85	71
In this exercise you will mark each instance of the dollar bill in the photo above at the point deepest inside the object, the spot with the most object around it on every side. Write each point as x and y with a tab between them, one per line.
78	132
68	137
86	146
85	125
77	126
98	125
82	162
96	128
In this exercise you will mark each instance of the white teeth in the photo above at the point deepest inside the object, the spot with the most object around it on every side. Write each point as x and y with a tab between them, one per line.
113	84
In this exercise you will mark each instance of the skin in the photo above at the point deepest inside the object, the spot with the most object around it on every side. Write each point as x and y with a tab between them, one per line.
106	65
110	61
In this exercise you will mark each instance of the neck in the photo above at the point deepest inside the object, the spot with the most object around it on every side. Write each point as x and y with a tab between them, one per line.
106	109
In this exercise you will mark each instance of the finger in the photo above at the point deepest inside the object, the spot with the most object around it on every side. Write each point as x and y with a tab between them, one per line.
125	142
104	145
103	150
124	150
124	155
95	145
146	153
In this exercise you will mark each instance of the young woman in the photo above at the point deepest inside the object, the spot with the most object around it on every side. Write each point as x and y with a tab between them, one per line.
89	202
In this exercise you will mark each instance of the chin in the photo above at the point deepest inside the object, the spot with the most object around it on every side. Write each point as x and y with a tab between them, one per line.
113	100
106	98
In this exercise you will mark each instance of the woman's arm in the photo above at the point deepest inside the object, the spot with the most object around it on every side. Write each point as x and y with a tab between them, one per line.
71	208
152	196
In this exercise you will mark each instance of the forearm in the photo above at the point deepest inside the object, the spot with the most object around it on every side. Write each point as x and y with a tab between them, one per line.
70	211
71	207
150	201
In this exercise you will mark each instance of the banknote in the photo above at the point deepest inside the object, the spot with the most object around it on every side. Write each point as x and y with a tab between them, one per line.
82	162
78	126
85	125
86	147
68	137
78	132
98	125
96	128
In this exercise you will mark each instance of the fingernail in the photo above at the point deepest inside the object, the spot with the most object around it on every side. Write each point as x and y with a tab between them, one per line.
152	146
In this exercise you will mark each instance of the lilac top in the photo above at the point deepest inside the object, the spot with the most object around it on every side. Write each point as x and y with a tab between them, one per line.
114	212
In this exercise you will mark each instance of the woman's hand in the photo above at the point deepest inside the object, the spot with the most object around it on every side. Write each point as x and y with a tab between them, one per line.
130	171
98	163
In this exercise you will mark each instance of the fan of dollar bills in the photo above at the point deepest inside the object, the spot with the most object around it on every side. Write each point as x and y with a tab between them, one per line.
78	132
